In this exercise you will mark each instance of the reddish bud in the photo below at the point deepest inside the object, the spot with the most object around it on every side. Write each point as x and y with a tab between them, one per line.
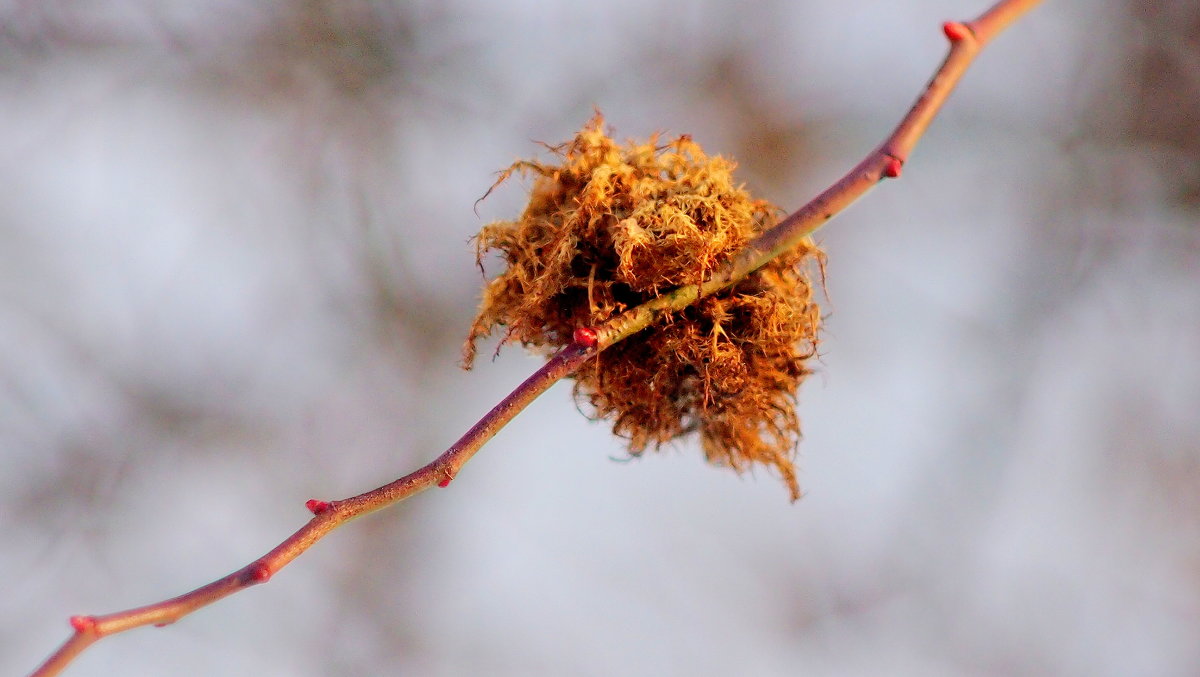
586	337
892	168
317	507
83	623
445	483
955	32
259	572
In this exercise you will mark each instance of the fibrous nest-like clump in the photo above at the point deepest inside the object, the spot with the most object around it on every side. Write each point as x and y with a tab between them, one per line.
609	227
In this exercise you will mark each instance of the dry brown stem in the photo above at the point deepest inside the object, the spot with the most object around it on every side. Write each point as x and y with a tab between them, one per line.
966	40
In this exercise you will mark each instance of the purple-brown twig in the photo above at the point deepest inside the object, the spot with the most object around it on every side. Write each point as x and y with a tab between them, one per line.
966	40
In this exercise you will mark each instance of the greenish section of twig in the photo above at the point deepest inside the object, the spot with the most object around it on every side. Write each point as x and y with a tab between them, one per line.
885	161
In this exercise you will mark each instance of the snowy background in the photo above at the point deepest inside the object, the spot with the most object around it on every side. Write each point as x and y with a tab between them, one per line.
235	275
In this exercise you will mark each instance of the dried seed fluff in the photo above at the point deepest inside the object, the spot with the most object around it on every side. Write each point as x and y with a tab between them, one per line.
611	226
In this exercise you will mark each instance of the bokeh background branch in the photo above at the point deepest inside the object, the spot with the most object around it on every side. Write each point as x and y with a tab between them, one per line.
218	237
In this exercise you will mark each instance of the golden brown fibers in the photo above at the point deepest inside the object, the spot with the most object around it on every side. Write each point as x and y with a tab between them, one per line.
611	226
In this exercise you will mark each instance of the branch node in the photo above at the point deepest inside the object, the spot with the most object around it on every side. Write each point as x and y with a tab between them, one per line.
258	572
317	507
956	32
83	624
586	337
892	169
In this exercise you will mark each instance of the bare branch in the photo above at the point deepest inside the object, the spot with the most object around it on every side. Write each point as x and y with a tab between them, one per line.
966	40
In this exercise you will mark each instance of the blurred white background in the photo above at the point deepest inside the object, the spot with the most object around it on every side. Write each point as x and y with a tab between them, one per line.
235	274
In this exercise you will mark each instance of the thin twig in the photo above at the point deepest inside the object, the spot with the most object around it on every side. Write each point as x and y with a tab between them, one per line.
966	40
327	517
886	161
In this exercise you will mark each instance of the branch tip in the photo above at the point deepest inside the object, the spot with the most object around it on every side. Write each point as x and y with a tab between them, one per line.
955	31
317	507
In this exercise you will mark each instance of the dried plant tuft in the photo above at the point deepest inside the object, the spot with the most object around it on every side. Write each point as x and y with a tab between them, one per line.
609	227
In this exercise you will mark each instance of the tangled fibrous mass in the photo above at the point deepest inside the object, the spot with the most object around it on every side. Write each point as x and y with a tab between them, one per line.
610	226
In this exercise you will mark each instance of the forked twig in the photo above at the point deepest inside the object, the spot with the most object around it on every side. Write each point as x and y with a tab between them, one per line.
966	40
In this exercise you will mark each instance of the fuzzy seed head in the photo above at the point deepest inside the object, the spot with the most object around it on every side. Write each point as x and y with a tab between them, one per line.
610	226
